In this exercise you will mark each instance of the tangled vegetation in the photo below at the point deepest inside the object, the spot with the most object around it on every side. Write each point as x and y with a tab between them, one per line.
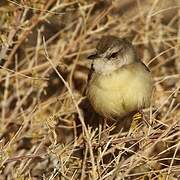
44	132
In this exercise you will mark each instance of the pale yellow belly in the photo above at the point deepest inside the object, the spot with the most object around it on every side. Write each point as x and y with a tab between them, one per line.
121	92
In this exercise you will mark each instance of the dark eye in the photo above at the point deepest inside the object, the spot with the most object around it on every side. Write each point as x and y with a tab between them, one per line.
113	55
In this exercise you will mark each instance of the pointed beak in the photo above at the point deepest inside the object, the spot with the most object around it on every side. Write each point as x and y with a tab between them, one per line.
93	56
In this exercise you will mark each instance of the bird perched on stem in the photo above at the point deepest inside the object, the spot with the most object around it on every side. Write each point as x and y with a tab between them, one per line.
119	82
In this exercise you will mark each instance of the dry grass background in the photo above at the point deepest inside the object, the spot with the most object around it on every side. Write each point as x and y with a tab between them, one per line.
43	72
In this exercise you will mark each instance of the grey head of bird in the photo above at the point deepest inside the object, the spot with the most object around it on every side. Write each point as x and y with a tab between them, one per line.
112	53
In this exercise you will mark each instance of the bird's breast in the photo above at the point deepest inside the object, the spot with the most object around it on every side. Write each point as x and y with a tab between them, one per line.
123	91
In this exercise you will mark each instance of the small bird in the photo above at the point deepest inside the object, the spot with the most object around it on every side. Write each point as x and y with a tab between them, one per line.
119	83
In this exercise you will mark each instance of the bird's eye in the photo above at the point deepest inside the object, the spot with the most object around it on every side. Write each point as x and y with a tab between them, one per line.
113	55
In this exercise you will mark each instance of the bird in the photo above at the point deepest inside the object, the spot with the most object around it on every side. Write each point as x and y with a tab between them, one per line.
119	83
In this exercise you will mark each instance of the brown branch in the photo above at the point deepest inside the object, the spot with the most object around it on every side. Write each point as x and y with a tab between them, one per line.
35	20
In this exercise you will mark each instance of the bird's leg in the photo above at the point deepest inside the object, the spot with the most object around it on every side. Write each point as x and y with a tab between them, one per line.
144	118
103	130
104	124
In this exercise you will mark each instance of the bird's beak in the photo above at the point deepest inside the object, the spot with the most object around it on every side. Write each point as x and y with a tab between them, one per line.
93	56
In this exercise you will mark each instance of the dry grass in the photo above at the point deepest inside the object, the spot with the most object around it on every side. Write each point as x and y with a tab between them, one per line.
43	72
